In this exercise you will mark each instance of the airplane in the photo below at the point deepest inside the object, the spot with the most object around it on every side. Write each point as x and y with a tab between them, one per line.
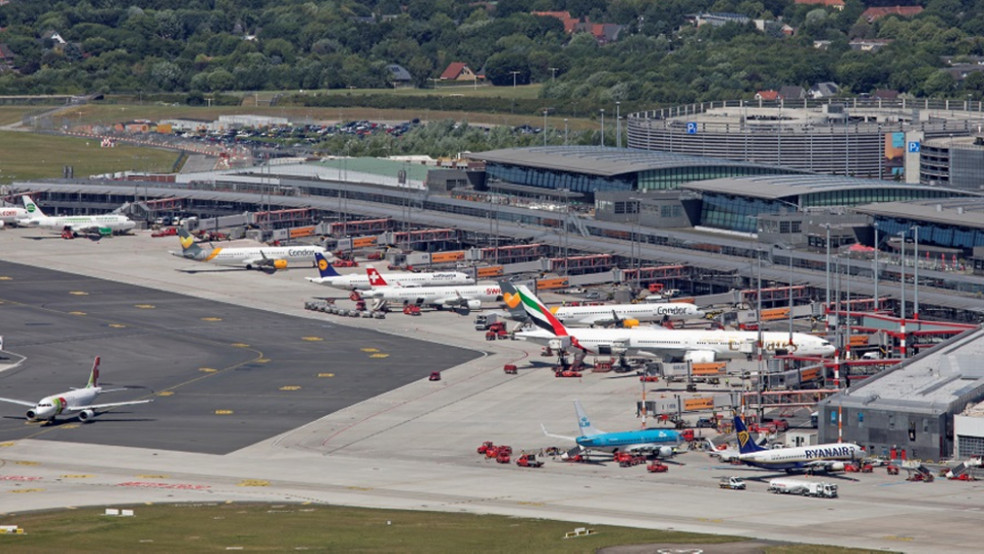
75	400
104	224
623	315
661	442
329	277
819	457
267	258
12	214
463	296
694	345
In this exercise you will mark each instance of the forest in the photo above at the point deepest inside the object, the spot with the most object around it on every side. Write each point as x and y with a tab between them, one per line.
659	56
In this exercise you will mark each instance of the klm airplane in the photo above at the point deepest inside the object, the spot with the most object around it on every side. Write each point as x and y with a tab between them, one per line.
661	442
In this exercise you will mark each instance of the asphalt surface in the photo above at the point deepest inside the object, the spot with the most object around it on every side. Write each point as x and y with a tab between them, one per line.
222	377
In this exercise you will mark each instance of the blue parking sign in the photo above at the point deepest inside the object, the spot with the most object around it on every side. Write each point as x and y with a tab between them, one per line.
691	128
914	146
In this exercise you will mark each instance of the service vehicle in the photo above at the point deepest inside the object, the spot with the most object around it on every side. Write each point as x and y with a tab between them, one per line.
734	483
803	487
528	460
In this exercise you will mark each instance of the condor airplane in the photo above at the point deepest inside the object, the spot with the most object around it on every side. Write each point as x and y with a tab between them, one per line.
625	315
462	297
661	442
693	345
820	457
105	224
266	258
329	277
75	400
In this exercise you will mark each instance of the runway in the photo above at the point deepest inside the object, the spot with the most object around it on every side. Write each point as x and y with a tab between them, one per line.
411	445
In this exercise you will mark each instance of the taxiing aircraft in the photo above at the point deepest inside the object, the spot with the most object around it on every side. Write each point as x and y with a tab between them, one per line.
661	442
329	277
267	258
693	345
456	297
105	224
623	315
820	457
75	400
12	214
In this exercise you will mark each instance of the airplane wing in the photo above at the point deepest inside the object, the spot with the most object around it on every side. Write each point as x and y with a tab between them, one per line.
105	406
545	432
601	320
21	402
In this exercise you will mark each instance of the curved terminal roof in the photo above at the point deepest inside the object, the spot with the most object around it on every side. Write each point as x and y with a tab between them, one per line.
959	212
602	161
771	187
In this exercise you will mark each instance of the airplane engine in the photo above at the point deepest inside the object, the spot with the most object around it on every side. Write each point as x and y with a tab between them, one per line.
474	304
31	414
630	323
665	451
836	466
1	224
280	264
86	415
699	356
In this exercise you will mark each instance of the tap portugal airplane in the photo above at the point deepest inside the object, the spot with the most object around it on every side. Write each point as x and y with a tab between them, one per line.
661	442
266	258
105	224
75	400
329	277
693	345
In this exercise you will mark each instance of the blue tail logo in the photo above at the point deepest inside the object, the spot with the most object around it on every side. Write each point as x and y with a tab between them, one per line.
745	443
325	269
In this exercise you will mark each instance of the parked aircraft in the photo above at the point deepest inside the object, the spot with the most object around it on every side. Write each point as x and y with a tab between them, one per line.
267	258
624	315
661	442
105	224
12	214
75	400
694	345
329	277
462	297
820	457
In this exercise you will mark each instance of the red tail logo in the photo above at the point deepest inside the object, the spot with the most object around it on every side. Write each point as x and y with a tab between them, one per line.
375	279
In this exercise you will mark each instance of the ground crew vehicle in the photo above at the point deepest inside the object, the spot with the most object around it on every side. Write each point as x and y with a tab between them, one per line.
734	483
803	487
528	460
657	467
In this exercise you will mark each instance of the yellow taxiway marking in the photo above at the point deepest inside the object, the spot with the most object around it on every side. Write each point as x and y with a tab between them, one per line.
165	393
207	369
6	278
5	444
151	476
76	313
369	349
27	463
211	319
117	326
79	476
69	426
145	306
253	483
240	345
353	488
326	375
27	490
897	538
78	293
379	355
290	387
312	339
223	412
261	360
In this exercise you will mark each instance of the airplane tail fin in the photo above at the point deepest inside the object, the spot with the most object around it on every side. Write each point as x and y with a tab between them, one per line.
93	375
32	208
540	314
189	249
325	269
375	278
584	423
512	300
745	443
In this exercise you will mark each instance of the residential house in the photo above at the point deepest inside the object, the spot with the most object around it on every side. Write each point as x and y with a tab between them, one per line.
8	60
825	89
603	33
835	4
399	77
767	95
885	94
458	71
872	14
869	44
790	92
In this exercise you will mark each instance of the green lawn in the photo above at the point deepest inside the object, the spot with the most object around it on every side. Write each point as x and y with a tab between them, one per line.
320	528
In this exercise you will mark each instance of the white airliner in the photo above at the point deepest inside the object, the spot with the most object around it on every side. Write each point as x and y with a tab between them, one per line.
820	457
329	277
12	214
463	296
105	224
75	400
267	258
625	315
693	345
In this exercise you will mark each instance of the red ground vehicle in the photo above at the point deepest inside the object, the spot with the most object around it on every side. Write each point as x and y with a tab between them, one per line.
434	376
892	469
657	467
963	477
502	458
867	468
567	373
165	232
485	446
492	452
411	309
626	459
528	460
649	378
510	369
496	331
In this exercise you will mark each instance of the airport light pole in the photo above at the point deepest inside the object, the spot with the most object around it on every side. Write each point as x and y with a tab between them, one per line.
915	274
514	73
826	306
902	289
545	126
618	126
876	272
565	131
603	127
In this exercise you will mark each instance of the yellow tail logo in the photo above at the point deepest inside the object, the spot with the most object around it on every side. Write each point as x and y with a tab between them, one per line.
322	264
186	242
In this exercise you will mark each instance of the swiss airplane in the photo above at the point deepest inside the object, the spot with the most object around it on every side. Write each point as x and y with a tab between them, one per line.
625	315
461	297
819	457
266	258
105	224
329	277
693	345
661	442
75	400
